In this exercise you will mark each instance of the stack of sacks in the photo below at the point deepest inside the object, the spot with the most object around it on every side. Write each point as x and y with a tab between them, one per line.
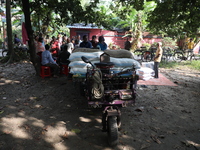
148	64
124	63
145	73
78	66
122	60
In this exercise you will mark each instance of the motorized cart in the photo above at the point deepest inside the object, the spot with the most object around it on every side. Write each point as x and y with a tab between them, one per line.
109	89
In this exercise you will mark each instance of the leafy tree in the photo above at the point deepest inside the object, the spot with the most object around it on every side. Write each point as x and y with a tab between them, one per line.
175	17
9	30
53	13
135	20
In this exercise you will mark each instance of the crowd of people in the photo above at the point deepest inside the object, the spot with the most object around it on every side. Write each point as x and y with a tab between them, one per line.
55	52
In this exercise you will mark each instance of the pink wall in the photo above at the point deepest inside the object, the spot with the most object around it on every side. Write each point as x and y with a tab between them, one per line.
113	37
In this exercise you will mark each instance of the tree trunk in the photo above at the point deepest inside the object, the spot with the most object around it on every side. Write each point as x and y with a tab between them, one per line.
9	31
32	48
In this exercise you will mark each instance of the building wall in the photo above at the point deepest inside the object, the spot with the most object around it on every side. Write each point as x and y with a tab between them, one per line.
111	37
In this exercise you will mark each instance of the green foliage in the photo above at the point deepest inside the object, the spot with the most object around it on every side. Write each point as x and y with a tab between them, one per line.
175	17
147	45
130	15
195	64
169	42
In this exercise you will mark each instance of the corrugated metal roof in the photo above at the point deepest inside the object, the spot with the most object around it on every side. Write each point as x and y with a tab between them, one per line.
83	26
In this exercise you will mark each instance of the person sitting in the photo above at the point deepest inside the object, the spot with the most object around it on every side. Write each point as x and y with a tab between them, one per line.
47	60
101	44
86	43
17	41
63	56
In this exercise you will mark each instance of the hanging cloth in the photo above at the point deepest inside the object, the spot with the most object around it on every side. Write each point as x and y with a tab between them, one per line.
24	34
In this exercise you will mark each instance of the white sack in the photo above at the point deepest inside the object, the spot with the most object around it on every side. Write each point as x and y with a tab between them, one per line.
124	62
145	70
91	56
81	64
78	70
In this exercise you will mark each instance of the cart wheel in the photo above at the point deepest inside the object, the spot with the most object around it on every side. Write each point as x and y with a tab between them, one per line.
112	130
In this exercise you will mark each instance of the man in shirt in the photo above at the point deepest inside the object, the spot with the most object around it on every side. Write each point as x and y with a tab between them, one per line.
157	58
191	44
47	60
127	44
86	43
17	41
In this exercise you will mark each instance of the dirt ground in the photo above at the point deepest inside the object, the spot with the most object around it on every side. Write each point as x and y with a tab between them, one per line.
50	114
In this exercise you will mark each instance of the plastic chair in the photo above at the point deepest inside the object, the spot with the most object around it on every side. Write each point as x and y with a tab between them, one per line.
45	71
65	70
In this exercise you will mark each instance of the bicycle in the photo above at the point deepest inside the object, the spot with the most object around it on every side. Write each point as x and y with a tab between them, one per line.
138	53
148	55
168	53
187	54
20	52
4	52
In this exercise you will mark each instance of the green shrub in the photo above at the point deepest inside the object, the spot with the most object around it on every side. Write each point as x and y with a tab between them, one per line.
169	42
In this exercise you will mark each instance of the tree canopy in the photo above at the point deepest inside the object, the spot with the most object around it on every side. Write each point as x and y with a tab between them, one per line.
169	16
174	17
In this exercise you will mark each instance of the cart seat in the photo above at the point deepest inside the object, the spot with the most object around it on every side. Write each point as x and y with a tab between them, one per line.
105	64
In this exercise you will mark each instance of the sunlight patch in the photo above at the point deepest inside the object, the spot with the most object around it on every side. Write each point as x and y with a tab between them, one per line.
83	119
15	127
37	122
4	81
55	133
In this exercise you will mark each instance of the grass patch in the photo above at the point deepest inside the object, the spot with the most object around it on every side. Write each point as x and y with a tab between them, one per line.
195	64
169	65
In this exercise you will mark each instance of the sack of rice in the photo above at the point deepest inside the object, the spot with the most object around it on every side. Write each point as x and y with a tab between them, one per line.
121	53
125	62
91	56
81	64
78	70
145	70
87	50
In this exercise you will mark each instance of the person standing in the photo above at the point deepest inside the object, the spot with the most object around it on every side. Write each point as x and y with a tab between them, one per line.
191	44
70	45
40	46
127	44
157	58
102	44
94	41
86	43
54	46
